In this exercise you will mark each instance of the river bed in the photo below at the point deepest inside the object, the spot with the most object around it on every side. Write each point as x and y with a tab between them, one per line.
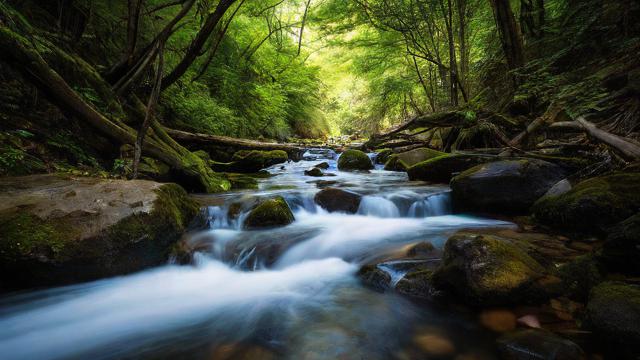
289	292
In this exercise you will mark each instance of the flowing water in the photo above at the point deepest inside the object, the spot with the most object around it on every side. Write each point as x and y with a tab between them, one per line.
290	292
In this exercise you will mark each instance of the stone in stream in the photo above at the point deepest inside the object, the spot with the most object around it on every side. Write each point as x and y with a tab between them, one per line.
442	168
336	200
509	186
269	213
315	172
57	229
383	155
354	160
537	344
402	161
613	313
322	165
374	277
592	205
621	250
487	269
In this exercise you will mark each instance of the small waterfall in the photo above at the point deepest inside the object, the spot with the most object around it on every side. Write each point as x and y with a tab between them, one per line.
378	206
434	205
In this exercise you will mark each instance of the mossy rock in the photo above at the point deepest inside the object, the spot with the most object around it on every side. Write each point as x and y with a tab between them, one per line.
509	186
241	181
251	161
314	171
354	160
592	205
487	270
579	276
442	168
269	213
417	284
613	312
64	231
383	155
402	161
374	278
621	250
337	200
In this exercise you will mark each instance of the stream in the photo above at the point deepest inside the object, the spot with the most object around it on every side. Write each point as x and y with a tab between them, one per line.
289	292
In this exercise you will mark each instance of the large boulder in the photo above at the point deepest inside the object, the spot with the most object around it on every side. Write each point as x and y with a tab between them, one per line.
337	200
592	205
269	213
613	312
621	250
537	344
382	155
56	229
354	160
509	186
252	161
442	168
488	270
402	161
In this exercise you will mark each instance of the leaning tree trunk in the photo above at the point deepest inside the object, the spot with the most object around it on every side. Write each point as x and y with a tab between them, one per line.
510	35
23	56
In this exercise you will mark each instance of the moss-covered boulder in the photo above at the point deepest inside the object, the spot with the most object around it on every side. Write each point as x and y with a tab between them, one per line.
621	250
487	270
613	312
442	168
418	284
382	155
251	161
592	205
323	165
374	278
337	200
579	276
269	213
537	344
402	161
351	160
509	186
58	230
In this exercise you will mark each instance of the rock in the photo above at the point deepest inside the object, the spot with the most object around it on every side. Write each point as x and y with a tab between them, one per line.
354	160
520	105
269	213
383	155
592	205
613	312
621	250
498	320
435	345
509	186
252	161
402	161
579	276
487	270
241	181
374	277
336	200
537	344
442	168
56	229
316	172
417	283
421	249
322	165
325	183
561	187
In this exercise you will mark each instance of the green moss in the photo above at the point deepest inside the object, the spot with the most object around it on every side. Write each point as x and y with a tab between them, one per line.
441	168
269	213
592	205
23	235
241	181
613	312
354	160
402	161
579	276
383	155
251	161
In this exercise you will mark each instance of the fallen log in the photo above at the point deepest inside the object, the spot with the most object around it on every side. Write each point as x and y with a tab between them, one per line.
629	149
193	139
443	119
547	118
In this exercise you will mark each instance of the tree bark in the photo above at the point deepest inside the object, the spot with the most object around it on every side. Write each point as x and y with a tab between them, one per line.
510	36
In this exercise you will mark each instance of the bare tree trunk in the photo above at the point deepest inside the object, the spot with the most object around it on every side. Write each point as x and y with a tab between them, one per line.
133	21
304	21
510	36
196	46
150	114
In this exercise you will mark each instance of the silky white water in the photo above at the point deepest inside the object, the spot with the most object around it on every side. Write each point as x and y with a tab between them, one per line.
291	291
